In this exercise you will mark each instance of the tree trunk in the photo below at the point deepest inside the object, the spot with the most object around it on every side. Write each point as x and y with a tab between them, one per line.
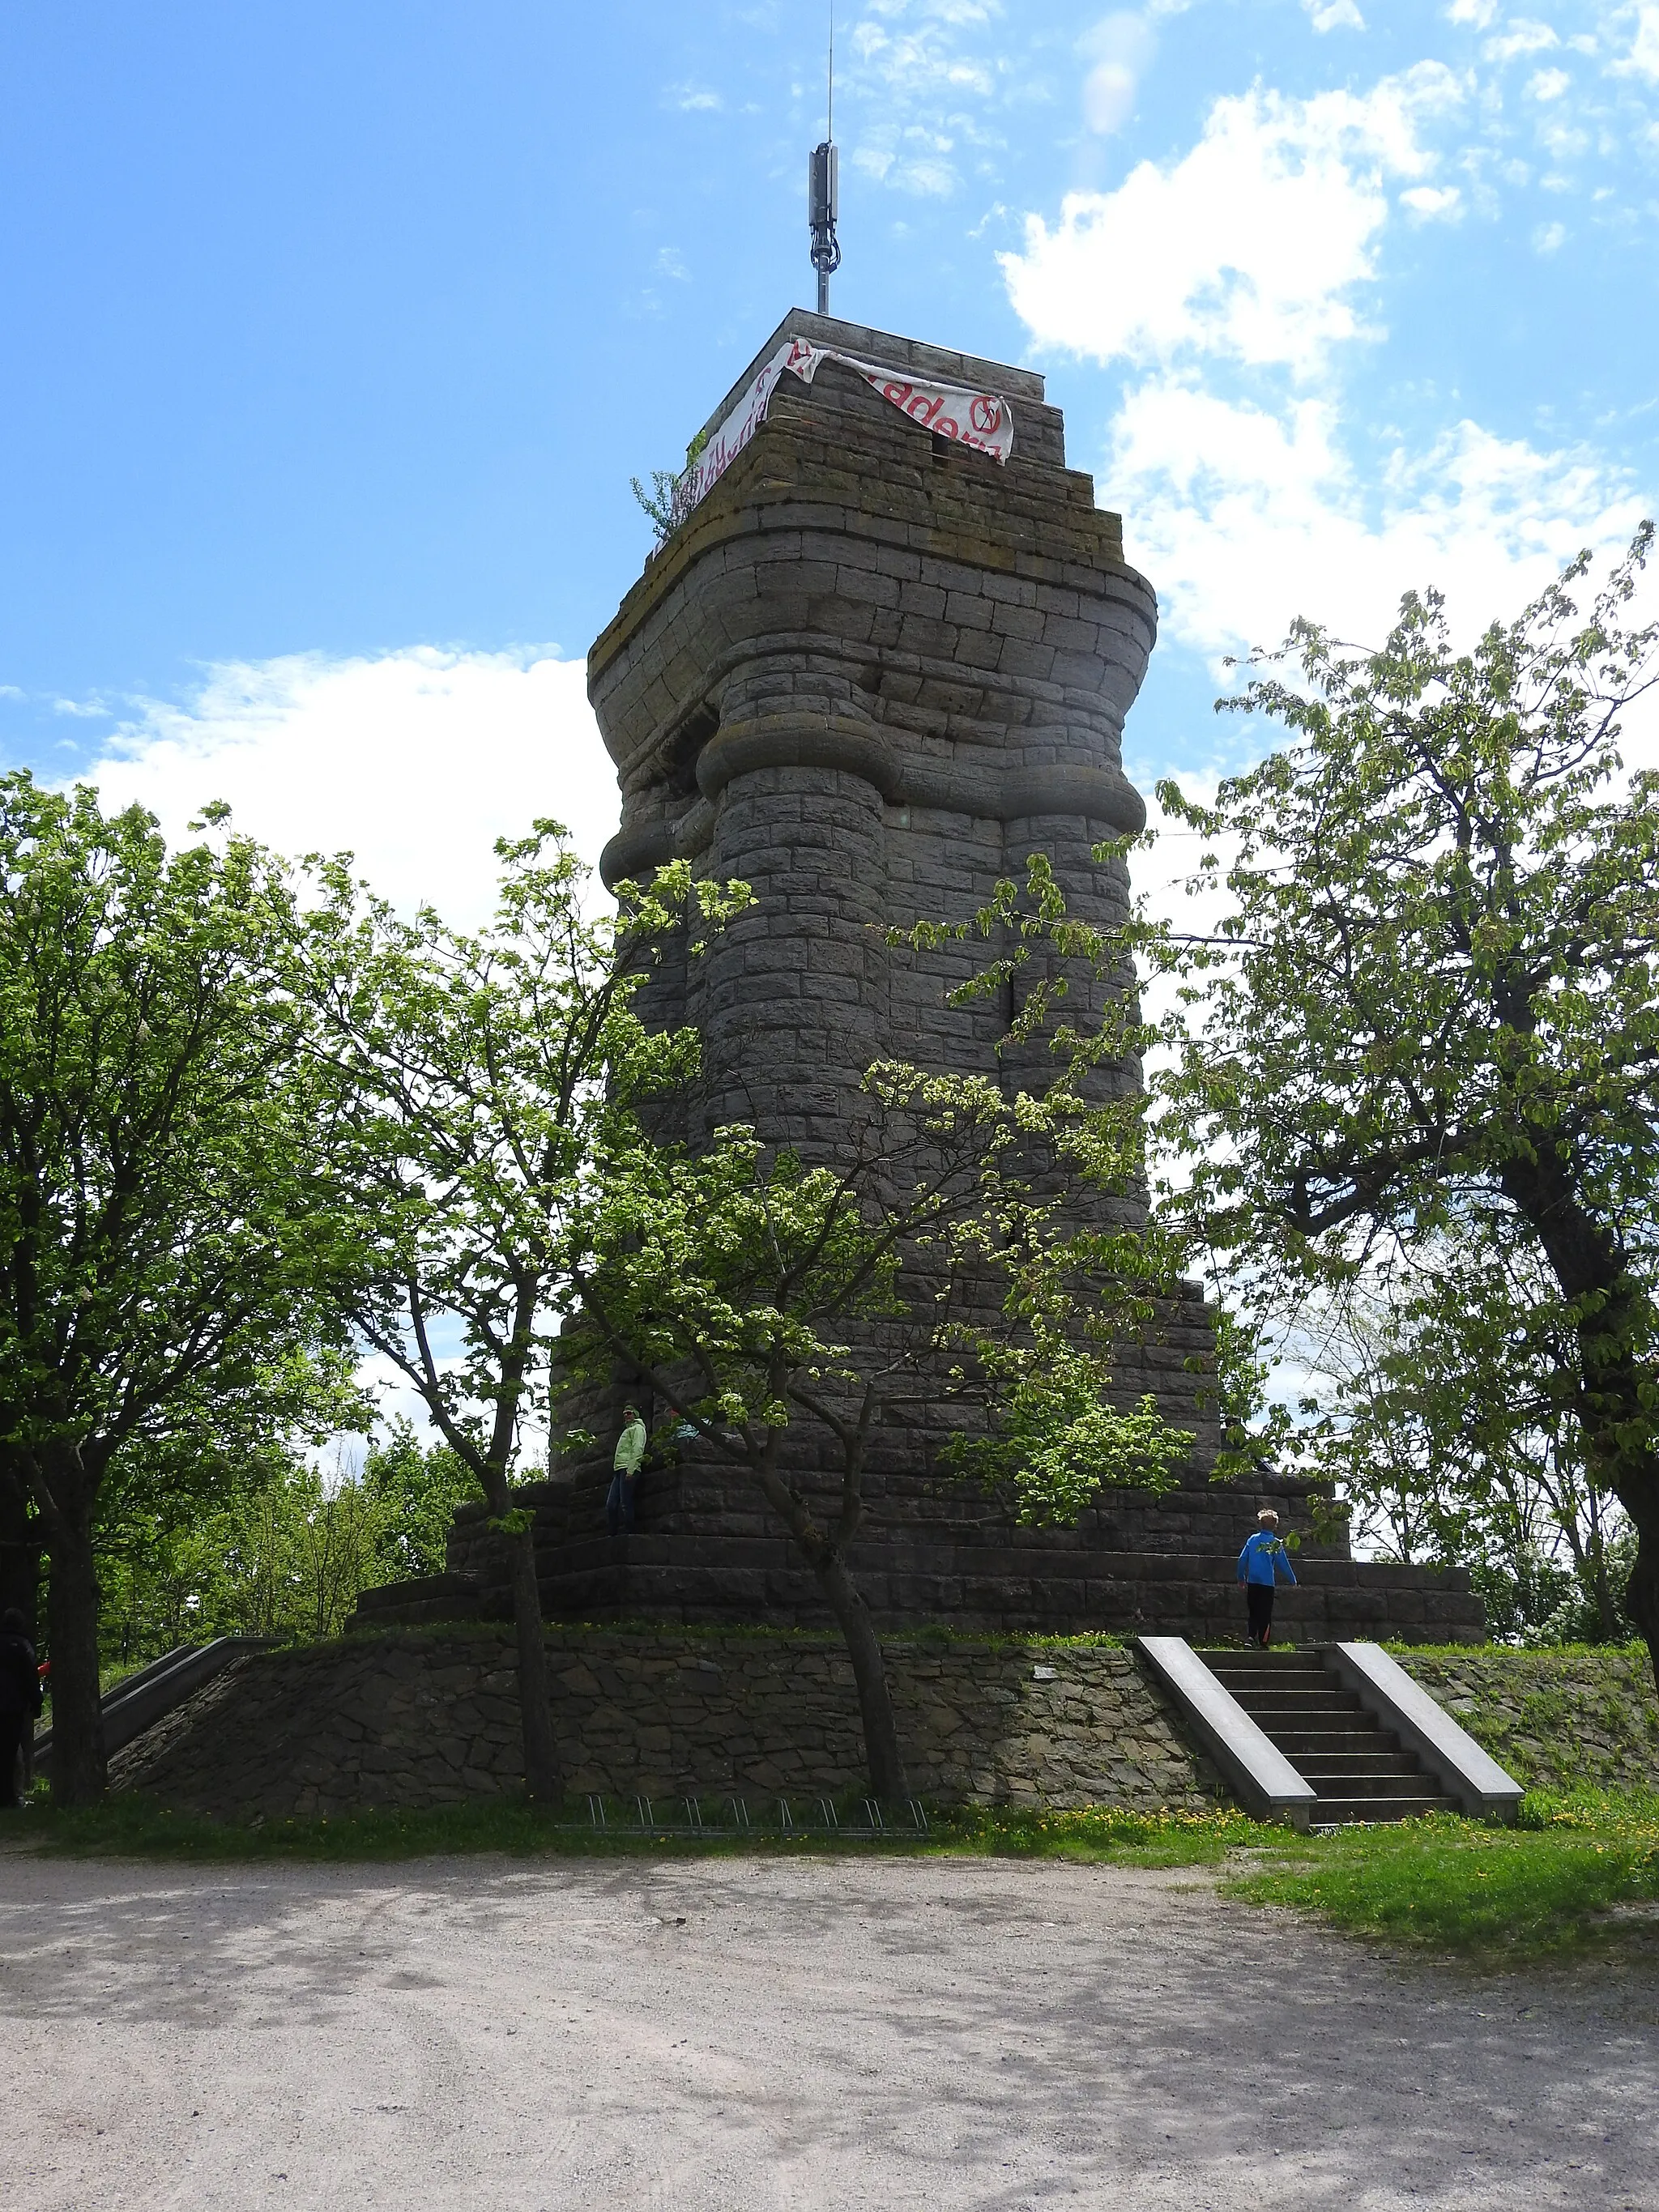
542	1781
79	1771
881	1743
20	1547
1616	1424
1641	1502
1595	1569
1616	1421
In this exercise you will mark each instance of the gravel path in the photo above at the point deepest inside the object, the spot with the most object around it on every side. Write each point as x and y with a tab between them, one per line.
732	2035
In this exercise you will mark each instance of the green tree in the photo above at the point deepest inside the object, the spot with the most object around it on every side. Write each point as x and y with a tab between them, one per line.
476	1074
178	1535
668	501
415	1492
284	1549
785	1312
1428	1023
166	1254
1437	1414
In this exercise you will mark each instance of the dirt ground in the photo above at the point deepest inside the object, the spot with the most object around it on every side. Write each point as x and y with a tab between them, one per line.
727	2035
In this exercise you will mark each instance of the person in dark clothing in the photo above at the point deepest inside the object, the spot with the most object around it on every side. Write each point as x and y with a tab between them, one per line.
1261	1563
20	1701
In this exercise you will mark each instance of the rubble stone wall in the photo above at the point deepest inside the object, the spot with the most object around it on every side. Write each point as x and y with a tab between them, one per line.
1566	1719
426	1718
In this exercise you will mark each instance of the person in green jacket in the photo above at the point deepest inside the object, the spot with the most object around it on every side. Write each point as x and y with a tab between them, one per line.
625	1472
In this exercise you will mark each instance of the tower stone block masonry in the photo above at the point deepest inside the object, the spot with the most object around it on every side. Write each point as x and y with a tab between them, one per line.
871	671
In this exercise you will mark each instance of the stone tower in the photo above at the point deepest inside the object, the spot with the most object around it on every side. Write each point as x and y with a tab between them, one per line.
871	670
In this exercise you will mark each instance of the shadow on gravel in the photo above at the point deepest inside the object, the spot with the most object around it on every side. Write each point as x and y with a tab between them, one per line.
929	2021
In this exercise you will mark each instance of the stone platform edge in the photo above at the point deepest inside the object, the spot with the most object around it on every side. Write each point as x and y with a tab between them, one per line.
424	1717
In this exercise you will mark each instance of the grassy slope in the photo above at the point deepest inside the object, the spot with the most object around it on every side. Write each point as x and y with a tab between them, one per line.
1545	1885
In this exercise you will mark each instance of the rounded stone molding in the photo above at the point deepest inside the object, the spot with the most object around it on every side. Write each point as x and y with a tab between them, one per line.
798	740
1065	790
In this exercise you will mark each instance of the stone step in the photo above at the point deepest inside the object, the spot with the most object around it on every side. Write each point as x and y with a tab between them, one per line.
1316	1694
694	1500
1316	1766
647	1548
1358	1768
1329	1812
981	1577
1299	1743
1367	1781
760	1580
1307	1710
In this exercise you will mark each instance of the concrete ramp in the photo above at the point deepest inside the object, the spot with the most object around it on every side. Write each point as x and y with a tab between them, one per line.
140	1700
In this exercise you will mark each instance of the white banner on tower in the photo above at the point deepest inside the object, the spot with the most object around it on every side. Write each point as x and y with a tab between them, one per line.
983	420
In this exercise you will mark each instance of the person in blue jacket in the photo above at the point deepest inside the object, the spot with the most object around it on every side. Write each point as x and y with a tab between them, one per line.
1261	1563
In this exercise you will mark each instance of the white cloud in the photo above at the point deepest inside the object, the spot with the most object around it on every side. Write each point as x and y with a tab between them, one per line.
1549	238
1245	518
1120	48
1249	491
1108	96
1523	36
1250	246
1566	144
913	75
1643	59
1434	201
417	760
1548	84
1333	14
1479	13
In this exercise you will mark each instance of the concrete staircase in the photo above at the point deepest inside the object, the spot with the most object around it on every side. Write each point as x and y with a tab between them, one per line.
1359	1770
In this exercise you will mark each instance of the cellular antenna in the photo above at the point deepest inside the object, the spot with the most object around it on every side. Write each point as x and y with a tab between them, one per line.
824	191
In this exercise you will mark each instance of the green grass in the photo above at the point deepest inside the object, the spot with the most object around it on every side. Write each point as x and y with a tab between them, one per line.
1548	1885
1093	1833
132	1826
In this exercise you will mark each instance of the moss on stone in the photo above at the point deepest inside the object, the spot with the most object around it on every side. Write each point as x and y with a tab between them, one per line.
1567	1718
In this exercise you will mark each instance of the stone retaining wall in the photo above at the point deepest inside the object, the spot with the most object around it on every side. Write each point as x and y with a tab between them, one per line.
429	1717
1577	1718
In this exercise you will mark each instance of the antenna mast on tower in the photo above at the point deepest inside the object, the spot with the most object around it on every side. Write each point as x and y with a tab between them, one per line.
823	190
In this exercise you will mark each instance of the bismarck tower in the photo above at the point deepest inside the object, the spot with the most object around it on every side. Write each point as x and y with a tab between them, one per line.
885	655
874	668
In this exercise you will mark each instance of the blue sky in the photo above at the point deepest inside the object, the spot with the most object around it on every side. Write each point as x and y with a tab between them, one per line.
335	332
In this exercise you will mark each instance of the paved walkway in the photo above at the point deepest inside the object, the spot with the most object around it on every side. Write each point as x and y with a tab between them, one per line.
722	2036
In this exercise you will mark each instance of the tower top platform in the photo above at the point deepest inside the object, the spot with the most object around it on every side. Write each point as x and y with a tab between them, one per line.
911	356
